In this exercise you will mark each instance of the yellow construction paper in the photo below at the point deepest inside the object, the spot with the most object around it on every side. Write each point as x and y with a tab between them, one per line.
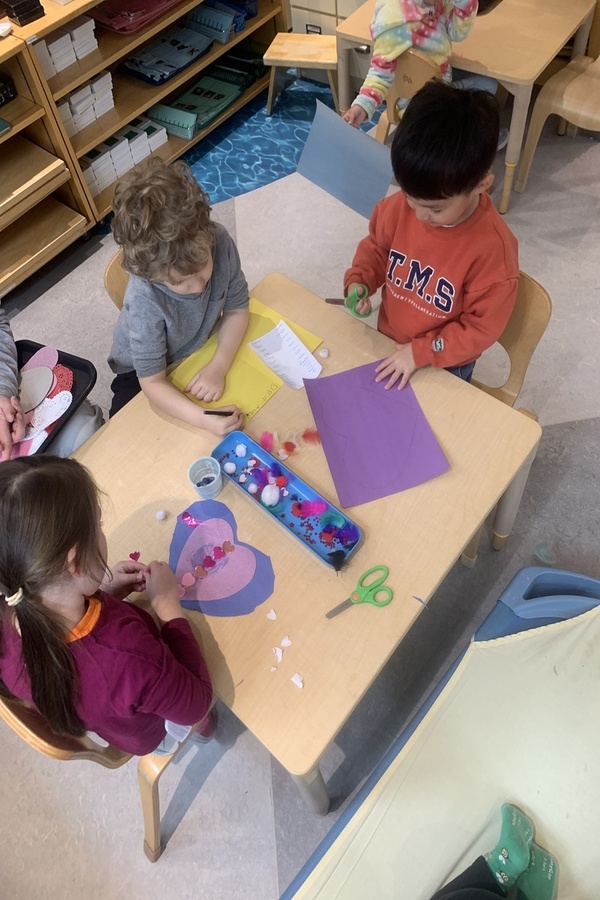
250	383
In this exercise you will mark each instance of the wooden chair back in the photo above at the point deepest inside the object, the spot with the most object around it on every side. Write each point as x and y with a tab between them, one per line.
33	728
413	70
115	279
521	336
573	93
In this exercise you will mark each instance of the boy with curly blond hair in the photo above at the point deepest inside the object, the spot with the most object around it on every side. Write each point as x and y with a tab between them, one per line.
185	283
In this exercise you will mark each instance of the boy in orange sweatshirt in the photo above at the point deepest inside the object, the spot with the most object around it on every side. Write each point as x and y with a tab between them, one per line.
446	260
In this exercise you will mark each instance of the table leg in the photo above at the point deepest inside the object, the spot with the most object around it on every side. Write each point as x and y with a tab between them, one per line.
508	504
345	98
522	95
313	790
581	37
469	555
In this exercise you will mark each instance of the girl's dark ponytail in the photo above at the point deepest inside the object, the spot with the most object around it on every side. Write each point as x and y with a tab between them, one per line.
48	506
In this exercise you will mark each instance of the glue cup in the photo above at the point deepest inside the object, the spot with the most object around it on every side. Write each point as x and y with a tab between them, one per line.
205	476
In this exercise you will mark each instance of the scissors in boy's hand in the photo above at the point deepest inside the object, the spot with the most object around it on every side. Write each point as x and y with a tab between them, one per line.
360	292
373	591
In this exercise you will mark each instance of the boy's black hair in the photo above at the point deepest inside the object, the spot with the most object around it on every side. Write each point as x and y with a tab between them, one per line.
446	142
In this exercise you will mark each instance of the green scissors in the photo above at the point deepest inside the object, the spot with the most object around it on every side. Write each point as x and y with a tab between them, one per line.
359	293
375	591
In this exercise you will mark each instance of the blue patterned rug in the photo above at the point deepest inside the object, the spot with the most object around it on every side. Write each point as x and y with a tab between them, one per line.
252	149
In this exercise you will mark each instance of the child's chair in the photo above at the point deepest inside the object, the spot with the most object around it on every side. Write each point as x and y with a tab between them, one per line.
526	325
521	336
301	51
115	279
413	70
574	95
33	728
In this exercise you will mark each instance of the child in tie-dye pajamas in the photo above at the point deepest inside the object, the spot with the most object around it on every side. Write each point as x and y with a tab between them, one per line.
427	26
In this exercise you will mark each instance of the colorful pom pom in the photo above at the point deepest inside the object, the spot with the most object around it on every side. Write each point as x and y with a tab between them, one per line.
267	441
311	436
307	508
270	495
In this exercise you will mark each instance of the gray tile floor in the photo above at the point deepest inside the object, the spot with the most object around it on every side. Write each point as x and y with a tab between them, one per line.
234	822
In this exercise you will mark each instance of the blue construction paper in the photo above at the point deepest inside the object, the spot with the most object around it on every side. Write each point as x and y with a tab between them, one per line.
345	162
238	582
377	441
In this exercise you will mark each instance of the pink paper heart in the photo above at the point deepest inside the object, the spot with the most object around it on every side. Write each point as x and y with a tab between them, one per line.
28	446
51	409
45	356
228	575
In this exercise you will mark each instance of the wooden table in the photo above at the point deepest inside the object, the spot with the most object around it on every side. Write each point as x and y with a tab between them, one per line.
140	459
513	43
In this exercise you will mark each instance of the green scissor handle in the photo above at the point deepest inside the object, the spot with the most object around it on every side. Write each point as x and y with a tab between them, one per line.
368	591
360	292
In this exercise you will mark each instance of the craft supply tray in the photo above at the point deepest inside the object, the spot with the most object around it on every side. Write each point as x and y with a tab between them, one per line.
329	534
84	379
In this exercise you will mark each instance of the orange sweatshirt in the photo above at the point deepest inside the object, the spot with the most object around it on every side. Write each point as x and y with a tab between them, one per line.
448	291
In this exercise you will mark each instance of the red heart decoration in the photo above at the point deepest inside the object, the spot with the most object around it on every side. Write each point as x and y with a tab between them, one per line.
63	379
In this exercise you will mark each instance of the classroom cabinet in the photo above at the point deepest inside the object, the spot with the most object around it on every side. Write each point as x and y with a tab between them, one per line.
132	98
43	208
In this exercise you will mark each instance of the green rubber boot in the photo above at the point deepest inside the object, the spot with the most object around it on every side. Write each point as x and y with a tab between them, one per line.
540	880
510	857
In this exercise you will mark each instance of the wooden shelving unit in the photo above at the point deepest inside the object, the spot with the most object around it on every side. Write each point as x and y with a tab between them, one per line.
132	96
42	206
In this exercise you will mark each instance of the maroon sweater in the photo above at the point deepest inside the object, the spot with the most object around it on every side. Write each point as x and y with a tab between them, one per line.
132	675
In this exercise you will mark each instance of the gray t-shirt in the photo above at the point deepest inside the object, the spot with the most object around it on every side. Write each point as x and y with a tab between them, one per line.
157	327
8	359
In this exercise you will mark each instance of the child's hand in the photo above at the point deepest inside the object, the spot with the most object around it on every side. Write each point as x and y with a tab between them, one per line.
222	425
12	425
125	577
355	116
208	384
363	307
163	591
400	365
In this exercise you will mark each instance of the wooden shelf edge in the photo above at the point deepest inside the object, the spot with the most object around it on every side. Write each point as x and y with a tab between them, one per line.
114	47
32	199
176	147
36	238
20	112
133	97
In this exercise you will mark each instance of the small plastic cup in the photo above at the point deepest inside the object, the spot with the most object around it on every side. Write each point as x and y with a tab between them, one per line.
205	476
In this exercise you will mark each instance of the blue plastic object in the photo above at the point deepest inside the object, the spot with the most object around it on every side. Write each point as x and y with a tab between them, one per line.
330	535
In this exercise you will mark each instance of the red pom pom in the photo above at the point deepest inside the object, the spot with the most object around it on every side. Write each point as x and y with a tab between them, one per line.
311	436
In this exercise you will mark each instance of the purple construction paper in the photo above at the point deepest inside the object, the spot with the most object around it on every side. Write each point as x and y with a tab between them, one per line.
237	581
377	442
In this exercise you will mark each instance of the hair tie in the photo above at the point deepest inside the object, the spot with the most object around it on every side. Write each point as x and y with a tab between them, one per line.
15	598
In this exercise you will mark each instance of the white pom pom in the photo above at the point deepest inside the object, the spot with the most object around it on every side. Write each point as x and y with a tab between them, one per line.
229	468
161	515
270	495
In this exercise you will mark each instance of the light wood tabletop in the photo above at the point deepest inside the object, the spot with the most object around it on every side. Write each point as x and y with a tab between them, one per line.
140	459
513	43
